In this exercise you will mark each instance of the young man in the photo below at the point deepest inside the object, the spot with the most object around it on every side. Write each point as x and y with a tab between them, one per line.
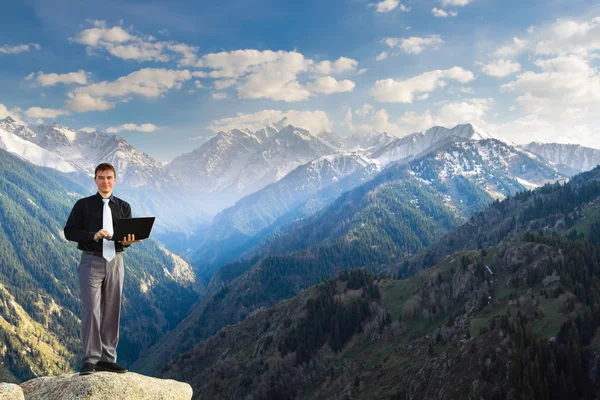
100	270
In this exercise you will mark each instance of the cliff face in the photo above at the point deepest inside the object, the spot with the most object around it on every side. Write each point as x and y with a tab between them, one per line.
100	385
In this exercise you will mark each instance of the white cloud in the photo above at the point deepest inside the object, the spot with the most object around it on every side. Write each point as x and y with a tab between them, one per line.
132	127
438	12
469	111
566	88
449	115
415	45
500	68
341	65
329	84
147	82
20	48
79	77
15	113
511	50
219	95
88	129
314	121
129	46
570	37
392	91
382	56
272	75
457	3
44	113
199	84
389	5
365	110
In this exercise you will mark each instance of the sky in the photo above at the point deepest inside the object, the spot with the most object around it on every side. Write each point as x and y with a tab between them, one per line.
169	75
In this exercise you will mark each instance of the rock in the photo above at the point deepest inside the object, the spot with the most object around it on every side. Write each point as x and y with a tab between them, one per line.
10	391
105	385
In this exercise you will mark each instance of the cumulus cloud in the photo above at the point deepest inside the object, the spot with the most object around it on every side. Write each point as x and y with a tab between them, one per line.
44	113
313	121
391	91
132	127
415	45
569	37
365	110
389	5
88	129
329	84
440	13
449	115
133	46
20	48
342	64
15	113
79	77
516	47
274	75
500	68
147	82
567	87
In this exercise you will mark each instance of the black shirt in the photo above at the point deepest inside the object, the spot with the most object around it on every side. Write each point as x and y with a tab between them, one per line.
86	219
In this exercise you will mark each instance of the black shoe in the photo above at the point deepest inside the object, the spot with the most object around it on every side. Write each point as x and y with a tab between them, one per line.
110	367
86	369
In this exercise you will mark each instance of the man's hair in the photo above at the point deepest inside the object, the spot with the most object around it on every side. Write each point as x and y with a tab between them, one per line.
104	167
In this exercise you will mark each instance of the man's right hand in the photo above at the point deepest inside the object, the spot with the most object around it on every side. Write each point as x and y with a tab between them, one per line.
101	234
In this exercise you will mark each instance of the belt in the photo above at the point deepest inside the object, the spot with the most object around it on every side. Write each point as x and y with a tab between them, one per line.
96	253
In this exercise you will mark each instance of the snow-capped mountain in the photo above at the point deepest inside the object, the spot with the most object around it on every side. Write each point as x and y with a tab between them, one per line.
303	191
498	168
332	139
280	154
216	164
142	180
569	158
236	163
85	150
33	153
417	143
368	142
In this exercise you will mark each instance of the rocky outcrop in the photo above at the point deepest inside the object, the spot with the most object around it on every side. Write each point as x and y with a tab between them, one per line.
105	385
10	391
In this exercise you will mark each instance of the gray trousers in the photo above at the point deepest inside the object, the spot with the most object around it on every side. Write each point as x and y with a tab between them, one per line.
101	284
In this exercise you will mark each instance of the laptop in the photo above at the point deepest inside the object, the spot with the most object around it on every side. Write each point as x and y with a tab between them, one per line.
140	227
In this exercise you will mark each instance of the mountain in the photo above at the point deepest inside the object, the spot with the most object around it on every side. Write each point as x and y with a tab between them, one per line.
39	290
368	142
33	153
569	158
421	142
516	317
239	162
377	225
143	179
496	323
235	229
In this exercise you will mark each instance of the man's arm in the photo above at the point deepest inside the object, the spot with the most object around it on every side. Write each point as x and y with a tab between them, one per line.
74	228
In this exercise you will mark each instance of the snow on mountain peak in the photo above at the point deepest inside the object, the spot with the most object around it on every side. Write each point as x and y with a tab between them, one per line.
33	153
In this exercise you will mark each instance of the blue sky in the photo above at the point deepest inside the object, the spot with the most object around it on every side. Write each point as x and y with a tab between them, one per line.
168	75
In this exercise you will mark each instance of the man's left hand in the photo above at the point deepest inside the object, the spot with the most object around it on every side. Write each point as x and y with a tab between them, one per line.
129	239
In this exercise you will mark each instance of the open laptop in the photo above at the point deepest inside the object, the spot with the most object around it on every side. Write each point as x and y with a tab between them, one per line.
140	227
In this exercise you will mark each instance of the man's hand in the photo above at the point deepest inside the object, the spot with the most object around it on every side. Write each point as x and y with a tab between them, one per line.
102	234
130	238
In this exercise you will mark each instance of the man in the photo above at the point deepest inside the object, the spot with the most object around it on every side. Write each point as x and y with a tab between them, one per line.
90	224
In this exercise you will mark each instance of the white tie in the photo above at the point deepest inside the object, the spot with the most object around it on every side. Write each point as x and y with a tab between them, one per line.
108	246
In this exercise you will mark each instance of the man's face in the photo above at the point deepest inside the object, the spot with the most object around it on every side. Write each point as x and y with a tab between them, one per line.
105	180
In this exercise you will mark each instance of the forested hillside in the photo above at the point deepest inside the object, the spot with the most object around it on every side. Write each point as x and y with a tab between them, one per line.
39	287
